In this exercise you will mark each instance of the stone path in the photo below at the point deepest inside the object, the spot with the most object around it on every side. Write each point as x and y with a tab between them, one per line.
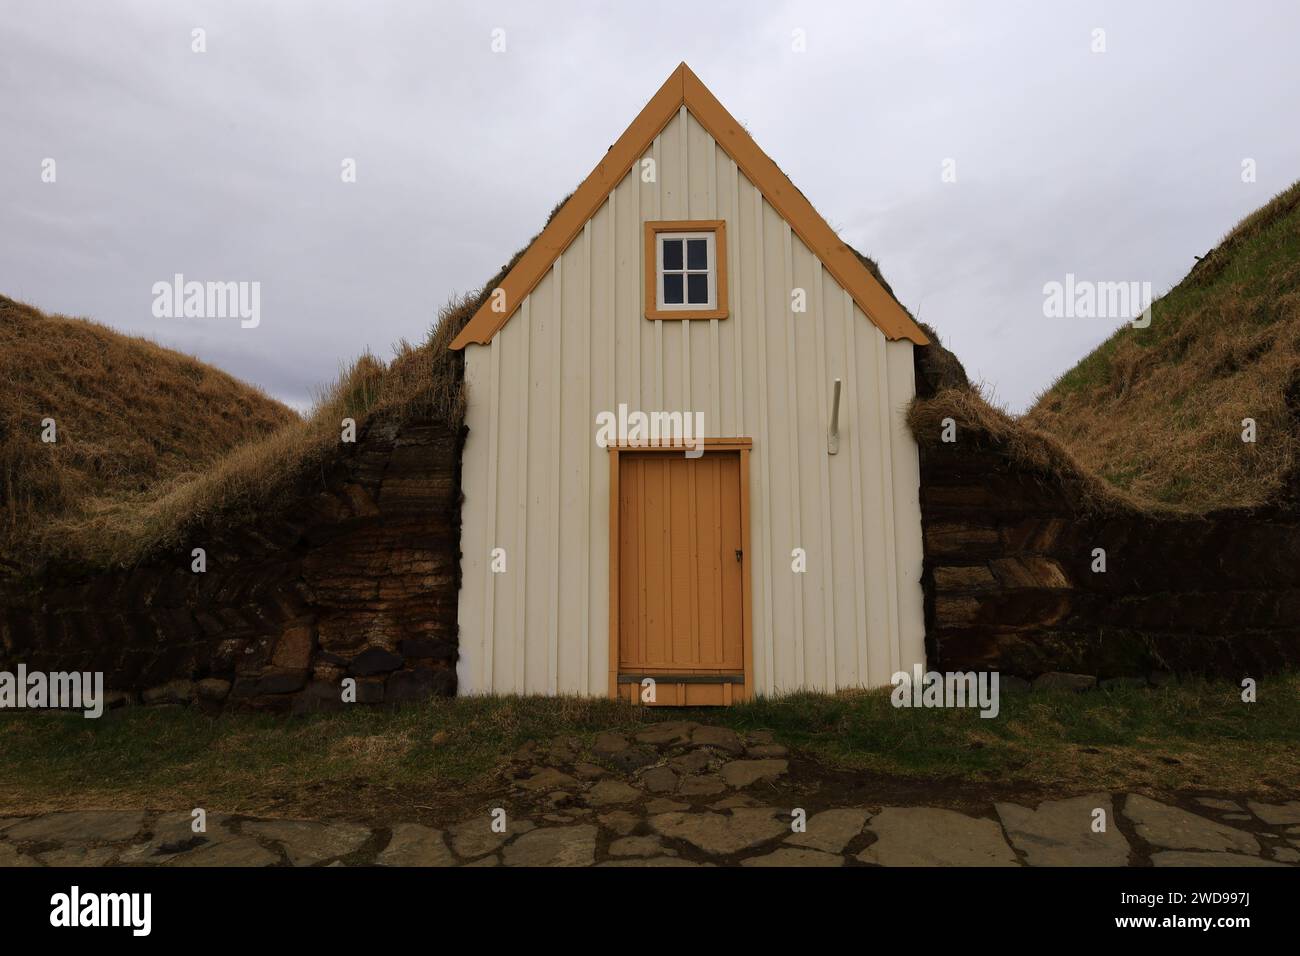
683	794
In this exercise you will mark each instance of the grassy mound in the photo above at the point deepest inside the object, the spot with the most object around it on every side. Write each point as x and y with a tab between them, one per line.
1158	411
264	472
129	416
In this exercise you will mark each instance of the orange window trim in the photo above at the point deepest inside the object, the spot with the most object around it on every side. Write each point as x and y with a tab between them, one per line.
719	229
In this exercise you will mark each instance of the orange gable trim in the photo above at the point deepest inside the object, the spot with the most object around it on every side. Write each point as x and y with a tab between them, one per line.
684	87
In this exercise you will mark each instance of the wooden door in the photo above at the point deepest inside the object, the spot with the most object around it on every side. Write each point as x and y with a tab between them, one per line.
680	574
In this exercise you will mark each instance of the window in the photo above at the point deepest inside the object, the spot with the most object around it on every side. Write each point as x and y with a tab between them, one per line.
686	270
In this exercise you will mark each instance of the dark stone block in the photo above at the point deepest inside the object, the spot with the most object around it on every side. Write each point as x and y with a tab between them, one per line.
423	648
170	662
273	704
370	691
319	696
281	680
375	660
411	685
244	687
444	682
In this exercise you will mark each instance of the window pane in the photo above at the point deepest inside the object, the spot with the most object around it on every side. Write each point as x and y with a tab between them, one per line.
672	254
697	285
673	286
697	254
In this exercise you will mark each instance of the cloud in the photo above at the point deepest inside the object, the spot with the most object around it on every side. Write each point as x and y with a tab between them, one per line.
226	164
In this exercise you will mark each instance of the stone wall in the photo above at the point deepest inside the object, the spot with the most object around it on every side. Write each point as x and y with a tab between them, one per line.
356	577
1009	580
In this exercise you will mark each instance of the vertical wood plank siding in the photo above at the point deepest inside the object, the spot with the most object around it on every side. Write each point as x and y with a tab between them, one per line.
536	485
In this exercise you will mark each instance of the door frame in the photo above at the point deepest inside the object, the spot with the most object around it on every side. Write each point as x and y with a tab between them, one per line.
740	445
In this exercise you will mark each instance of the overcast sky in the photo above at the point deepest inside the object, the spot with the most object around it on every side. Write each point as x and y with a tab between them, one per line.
225	165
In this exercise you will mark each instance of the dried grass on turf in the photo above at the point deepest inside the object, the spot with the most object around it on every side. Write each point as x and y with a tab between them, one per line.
130	416
1158	412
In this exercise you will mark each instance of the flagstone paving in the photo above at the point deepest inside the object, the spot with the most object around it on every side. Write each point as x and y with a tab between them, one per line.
831	830
1167	826
413	844
1065	832
1287	813
107	826
309	842
924	836
683	794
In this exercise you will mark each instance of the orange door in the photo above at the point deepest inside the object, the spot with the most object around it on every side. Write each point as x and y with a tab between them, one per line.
680	572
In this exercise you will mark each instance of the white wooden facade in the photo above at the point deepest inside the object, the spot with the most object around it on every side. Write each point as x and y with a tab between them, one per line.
536	484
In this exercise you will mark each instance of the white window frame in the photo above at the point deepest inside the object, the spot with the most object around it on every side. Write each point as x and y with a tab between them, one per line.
711	270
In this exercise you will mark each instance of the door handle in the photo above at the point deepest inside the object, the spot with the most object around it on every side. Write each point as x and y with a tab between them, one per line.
739	554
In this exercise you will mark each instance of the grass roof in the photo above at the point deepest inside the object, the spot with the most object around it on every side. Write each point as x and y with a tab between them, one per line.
1158	411
128	417
1152	419
263	469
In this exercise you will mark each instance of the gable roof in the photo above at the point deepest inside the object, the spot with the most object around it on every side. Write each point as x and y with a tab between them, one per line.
684	87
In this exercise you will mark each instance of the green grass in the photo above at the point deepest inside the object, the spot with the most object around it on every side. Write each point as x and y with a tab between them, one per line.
1217	740
1156	411
1261	258
1190	736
